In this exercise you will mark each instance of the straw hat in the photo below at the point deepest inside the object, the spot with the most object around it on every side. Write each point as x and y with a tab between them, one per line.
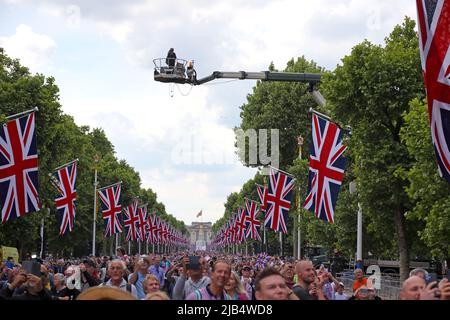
105	293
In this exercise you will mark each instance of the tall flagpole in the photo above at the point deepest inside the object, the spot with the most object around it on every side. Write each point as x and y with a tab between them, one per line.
299	236
96	159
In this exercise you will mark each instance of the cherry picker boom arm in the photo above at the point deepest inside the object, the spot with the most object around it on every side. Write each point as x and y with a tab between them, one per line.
311	78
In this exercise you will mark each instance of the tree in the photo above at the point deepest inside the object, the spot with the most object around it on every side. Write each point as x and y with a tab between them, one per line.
370	91
429	192
283	106
59	141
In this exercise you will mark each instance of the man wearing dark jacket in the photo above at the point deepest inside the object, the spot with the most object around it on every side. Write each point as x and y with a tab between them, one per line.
89	277
171	57
33	288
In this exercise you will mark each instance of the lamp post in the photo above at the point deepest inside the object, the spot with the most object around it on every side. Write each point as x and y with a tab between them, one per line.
359	225
299	242
96	159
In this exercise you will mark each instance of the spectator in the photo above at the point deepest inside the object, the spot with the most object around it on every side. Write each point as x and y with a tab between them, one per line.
89	275
359	279
307	282
340	294
116	269
419	272
215	290
138	276
121	254
235	289
33	288
414	288
60	291
270	285
361	293
247	280
287	271
151	284
189	281
157	271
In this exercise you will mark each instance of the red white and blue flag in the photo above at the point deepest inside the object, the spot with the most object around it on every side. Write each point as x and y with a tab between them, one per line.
158	229
241	225
434	44
142	223
18	168
262	193
131	221
151	228
278	200
111	208
65	179
251	219
326	168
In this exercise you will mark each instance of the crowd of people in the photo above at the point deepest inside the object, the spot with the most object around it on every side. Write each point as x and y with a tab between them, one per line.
196	276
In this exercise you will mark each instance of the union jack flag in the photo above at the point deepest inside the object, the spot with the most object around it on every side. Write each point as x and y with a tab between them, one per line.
278	200
18	168
434	43
130	221
253	224
142	224
262	193
326	168
65	180
240	223
158	229
151	228
111	208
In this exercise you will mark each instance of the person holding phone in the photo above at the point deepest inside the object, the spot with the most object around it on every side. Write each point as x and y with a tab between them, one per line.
33	288
190	279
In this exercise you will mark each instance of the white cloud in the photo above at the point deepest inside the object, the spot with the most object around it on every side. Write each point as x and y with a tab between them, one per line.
34	50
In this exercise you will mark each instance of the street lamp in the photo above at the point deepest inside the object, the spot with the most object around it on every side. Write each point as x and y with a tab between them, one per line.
96	160
299	242
359	224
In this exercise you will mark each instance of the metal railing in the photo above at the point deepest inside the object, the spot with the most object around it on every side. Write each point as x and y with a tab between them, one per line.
389	289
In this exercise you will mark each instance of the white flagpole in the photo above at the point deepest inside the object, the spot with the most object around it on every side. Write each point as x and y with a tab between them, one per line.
299	235
22	113
129	248
96	159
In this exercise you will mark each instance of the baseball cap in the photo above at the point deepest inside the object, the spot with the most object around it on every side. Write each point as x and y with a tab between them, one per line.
342	284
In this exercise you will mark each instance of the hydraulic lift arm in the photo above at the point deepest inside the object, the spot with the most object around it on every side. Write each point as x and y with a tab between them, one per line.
311	78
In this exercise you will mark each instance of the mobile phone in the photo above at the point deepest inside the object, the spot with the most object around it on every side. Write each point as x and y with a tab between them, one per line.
431	277
194	263
32	267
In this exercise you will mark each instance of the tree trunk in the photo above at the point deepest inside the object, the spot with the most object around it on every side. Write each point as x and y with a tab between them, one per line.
402	242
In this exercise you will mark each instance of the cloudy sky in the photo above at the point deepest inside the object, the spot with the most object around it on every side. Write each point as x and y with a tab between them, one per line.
179	138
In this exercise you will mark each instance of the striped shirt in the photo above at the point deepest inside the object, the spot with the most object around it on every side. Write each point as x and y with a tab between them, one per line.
206	294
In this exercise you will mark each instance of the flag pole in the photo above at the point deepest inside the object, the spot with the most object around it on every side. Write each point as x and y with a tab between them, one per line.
320	114
22	113
65	165
286	173
109	185
96	159
299	230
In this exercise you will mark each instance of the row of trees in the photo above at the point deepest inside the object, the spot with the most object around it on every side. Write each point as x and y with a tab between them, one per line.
378	90
60	140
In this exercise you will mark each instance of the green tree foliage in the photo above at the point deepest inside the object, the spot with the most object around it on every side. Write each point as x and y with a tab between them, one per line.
427	189
370	91
59	141
283	106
